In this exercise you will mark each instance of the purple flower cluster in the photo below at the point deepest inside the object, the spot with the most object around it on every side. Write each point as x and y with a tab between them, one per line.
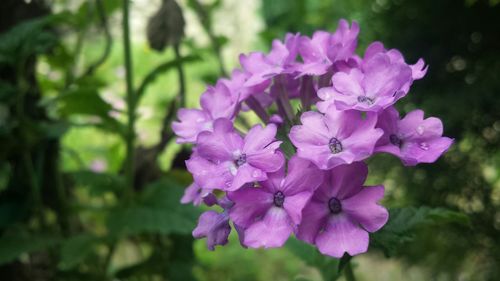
337	109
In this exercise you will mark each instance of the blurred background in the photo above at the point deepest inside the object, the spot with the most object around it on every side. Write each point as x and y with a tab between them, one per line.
91	177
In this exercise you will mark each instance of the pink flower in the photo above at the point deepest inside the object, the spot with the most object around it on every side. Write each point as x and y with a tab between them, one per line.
378	84
321	51
263	67
335	138
342	212
216	102
413	139
271	213
224	160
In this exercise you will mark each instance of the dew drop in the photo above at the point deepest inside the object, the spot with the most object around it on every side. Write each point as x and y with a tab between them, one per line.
424	146
256	173
420	130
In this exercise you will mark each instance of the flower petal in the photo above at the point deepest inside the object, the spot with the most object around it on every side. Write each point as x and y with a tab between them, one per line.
246	174
192	122
413	126
344	181
363	208
302	176
220	144
313	130
424	151
267	160
340	236
218	101
348	83
258	138
294	205
209	175
272	231
215	227
314	218
250	203
195	194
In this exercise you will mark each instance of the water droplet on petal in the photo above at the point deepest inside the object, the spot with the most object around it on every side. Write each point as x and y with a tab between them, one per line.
233	170
420	130
424	146
256	173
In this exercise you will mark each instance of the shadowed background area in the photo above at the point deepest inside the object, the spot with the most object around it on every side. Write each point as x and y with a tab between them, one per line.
91	176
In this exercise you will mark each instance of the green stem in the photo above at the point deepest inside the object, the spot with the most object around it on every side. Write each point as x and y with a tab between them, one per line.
206	23
283	100
35	188
181	77
155	72
108	259
348	273
101	11
131	102
33	182
254	105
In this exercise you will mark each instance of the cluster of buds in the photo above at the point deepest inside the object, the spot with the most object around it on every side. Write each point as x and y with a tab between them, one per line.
324	110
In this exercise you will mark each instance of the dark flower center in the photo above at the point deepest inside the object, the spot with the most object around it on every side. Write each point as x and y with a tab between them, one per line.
365	100
242	159
334	205
335	146
279	199
395	140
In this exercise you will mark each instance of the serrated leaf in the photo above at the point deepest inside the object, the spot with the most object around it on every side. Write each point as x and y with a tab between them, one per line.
76	249
158	211
404	221
13	245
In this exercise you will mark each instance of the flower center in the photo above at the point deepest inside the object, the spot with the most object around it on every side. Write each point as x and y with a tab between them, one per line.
242	159
335	146
365	100
395	140
334	205
279	199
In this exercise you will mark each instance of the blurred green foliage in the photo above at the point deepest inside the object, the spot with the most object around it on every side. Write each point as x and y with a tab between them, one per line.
68	211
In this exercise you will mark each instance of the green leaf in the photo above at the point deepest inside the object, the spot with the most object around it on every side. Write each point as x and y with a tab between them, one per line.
98	183
53	130
158	211
162	68
13	245
327	266
178	258
85	101
403	222
26	39
86	14
7	91
76	249
12	212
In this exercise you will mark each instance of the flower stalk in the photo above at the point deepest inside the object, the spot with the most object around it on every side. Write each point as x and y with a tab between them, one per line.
131	102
